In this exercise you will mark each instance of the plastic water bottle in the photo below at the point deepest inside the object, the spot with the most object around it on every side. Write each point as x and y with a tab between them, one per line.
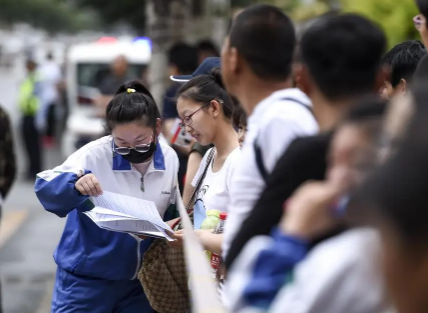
215	258
212	219
210	222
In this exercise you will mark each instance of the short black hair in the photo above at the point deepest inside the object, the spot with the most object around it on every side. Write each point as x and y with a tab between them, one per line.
49	56
184	57
403	60
133	102
239	116
265	37
205	88
208	45
423	7
343	54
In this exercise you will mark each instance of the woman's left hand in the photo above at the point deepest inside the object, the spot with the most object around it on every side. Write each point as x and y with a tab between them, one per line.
178	237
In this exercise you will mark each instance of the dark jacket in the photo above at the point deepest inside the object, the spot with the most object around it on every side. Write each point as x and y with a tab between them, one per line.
305	159
7	155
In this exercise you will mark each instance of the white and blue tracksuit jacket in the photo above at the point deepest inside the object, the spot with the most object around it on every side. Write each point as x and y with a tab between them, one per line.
85	249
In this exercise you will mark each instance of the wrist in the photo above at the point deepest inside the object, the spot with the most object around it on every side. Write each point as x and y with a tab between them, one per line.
296	229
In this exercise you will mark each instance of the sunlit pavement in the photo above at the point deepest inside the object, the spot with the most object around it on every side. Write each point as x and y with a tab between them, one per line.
28	234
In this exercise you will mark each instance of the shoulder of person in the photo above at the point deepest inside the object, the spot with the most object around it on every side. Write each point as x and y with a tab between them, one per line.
342	254
169	154
290	101
202	150
168	151
234	156
94	150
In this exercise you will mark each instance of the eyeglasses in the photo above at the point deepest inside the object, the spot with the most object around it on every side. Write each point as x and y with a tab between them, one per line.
187	120
142	148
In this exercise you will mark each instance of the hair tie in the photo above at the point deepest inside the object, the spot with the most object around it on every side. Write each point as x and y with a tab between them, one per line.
130	90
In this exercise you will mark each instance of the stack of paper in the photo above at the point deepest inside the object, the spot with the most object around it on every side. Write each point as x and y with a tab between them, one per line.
126	214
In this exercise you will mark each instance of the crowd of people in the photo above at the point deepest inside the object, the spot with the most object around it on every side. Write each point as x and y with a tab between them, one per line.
314	147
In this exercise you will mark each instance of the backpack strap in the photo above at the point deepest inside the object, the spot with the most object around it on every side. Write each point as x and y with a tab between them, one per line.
258	151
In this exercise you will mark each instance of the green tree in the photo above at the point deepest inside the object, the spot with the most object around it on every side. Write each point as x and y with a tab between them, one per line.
51	15
395	17
132	12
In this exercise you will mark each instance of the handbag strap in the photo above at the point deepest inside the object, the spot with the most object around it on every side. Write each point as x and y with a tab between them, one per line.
189	206
199	183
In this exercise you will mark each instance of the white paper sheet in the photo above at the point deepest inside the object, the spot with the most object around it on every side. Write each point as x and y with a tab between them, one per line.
121	213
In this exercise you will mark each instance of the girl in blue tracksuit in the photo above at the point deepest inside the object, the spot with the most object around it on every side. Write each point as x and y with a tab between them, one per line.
97	269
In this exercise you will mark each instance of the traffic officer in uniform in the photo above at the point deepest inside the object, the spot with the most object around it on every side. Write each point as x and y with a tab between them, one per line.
30	105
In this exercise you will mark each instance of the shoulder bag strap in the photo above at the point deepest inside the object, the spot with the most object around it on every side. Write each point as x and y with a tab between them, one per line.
257	150
189	205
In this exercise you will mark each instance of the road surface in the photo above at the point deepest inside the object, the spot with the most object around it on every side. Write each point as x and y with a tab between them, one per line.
28	234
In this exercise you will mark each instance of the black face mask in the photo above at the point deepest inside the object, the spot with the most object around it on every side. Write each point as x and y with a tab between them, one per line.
140	157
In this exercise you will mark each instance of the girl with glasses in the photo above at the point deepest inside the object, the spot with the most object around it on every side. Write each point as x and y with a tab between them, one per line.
206	111
97	269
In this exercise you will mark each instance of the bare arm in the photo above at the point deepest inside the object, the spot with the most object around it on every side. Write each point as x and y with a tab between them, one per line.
211	242
192	168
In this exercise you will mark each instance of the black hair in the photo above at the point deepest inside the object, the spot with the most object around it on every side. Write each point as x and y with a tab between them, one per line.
49	56
205	88
208	45
265	37
343	54
239	116
132	106
423	7
421	72
403	60
184	57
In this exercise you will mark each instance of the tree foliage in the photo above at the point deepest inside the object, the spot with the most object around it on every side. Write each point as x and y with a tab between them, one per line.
395	17
51	15
132	12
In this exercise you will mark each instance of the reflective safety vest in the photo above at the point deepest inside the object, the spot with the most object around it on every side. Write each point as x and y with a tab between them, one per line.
29	102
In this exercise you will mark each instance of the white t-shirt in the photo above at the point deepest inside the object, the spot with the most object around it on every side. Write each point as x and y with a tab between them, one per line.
274	124
214	191
51	76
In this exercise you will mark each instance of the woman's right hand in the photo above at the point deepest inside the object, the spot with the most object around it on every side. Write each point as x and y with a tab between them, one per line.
88	185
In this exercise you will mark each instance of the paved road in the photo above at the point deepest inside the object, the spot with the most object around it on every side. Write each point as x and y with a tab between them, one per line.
28	234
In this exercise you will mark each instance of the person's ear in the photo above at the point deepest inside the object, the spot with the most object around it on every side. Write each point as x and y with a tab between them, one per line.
383	75
215	108
234	60
302	78
402	86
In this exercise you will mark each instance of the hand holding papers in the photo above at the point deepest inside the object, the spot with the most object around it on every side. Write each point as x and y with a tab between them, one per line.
126	214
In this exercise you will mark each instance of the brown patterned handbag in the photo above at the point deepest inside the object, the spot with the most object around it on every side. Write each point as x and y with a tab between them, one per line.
163	274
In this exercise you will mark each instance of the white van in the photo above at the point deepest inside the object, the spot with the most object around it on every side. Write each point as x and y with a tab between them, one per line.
86	65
